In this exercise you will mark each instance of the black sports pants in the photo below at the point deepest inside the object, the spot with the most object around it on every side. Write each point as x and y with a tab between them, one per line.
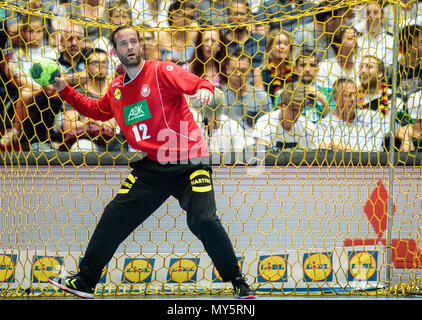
147	187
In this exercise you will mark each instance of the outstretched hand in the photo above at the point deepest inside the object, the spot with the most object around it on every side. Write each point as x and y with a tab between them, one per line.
204	95
59	83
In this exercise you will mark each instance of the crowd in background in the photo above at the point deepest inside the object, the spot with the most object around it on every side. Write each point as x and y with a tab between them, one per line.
288	75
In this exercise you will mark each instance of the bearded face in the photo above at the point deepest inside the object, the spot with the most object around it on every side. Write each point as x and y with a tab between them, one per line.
128	48
369	74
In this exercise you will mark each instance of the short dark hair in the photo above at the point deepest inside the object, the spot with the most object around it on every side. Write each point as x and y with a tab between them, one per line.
179	5
324	15
112	37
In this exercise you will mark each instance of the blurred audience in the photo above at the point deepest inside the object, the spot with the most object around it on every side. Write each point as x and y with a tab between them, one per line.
374	39
223	134
209	62
245	103
278	12
150	12
239	35
81	133
409	76
410	135
212	13
88	11
35	112
72	52
345	64
286	128
261	53
320	34
347	61
210	58
304	72
276	68
178	42
350	128
409	13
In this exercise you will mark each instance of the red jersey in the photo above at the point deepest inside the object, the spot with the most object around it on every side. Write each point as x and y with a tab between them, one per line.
151	110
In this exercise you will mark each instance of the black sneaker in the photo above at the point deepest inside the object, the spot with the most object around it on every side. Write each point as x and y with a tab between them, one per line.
73	284
242	290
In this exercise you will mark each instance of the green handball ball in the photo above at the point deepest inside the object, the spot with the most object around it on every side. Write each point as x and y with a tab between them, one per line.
44	70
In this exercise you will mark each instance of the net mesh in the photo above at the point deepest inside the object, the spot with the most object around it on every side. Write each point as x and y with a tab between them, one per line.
314	134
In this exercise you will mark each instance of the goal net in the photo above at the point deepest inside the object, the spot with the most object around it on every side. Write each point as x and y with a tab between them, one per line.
314	134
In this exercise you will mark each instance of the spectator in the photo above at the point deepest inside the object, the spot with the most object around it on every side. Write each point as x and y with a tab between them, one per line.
177	44
240	36
286	127
151	12
36	110
72	52
150	47
409	13
409	82
209	62
350	128
374	92
88	11
212	13
12	19
210	58
345	65
374	40
223	134
409	77
304	72
411	134
9	94
320	34
245	103
82	133
119	12
299	11
276	70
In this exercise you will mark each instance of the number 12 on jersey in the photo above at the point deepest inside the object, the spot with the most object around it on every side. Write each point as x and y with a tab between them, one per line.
141	132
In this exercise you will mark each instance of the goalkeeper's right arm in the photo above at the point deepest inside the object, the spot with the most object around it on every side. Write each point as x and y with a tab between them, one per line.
89	107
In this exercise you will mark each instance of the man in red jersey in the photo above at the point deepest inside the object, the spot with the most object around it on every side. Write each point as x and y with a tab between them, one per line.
150	108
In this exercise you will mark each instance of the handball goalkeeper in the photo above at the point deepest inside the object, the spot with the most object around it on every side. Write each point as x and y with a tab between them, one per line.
148	102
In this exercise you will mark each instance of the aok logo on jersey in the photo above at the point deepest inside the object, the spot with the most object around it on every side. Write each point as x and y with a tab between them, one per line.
45	267
182	270
7	268
362	266
317	267
137	270
136	112
272	268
